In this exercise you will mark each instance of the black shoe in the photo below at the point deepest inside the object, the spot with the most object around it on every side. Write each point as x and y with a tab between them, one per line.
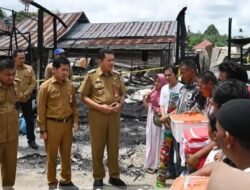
33	145
98	183
116	182
170	175
68	186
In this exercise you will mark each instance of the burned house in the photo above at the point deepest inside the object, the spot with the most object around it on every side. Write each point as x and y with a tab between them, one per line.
135	43
27	37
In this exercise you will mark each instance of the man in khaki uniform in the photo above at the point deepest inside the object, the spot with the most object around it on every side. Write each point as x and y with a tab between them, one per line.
28	83
8	122
59	52
104	92
57	116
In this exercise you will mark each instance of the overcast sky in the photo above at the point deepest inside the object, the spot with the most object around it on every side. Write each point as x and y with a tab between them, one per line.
199	15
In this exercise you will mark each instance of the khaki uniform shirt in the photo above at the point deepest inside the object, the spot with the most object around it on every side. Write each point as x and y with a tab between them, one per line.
27	77
101	88
57	101
48	72
9	126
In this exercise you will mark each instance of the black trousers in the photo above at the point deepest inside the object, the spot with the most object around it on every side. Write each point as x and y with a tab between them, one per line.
26	108
179	169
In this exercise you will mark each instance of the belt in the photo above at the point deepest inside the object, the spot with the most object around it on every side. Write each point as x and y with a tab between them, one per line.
59	120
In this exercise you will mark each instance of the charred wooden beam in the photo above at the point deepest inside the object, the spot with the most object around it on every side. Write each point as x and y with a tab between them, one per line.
40	43
229	37
14	27
55	32
241	54
49	12
181	35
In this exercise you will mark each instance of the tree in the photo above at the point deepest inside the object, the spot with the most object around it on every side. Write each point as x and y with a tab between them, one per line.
211	30
2	14
194	39
211	34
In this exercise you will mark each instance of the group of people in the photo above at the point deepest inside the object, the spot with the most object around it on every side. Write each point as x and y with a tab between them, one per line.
102	91
202	93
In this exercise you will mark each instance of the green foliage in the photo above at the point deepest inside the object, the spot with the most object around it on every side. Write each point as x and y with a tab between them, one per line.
2	14
211	34
211	30
194	39
21	15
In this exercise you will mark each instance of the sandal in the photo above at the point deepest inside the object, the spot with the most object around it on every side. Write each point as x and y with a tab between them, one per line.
151	171
160	184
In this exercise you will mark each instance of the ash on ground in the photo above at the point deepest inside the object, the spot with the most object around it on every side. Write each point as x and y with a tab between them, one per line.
31	167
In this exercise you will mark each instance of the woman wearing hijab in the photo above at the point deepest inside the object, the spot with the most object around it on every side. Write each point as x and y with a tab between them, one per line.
153	127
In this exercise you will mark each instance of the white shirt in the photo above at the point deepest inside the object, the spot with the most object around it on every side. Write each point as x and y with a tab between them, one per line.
247	170
169	96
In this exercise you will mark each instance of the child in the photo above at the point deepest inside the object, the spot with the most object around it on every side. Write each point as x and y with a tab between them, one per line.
216	152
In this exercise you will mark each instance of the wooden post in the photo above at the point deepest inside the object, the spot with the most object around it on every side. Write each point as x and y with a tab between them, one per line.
169	52
131	65
39	46
177	43
229	37
14	27
241	54
55	32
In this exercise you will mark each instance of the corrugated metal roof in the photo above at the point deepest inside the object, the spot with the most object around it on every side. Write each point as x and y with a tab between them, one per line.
123	30
129	43
3	30
124	35
126	47
30	25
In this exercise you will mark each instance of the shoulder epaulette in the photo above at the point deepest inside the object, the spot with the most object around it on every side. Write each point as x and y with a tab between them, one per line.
117	72
29	67
92	71
17	80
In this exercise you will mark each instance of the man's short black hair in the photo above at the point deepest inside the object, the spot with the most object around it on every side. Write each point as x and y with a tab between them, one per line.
173	68
190	64
212	121
102	53
234	71
228	90
207	76
16	51
6	64
233	116
60	61
244	144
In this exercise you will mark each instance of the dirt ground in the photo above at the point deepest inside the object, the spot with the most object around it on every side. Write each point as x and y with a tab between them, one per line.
31	173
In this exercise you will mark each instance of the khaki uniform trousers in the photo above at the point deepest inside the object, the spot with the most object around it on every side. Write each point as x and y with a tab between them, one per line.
104	130
59	137
8	159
